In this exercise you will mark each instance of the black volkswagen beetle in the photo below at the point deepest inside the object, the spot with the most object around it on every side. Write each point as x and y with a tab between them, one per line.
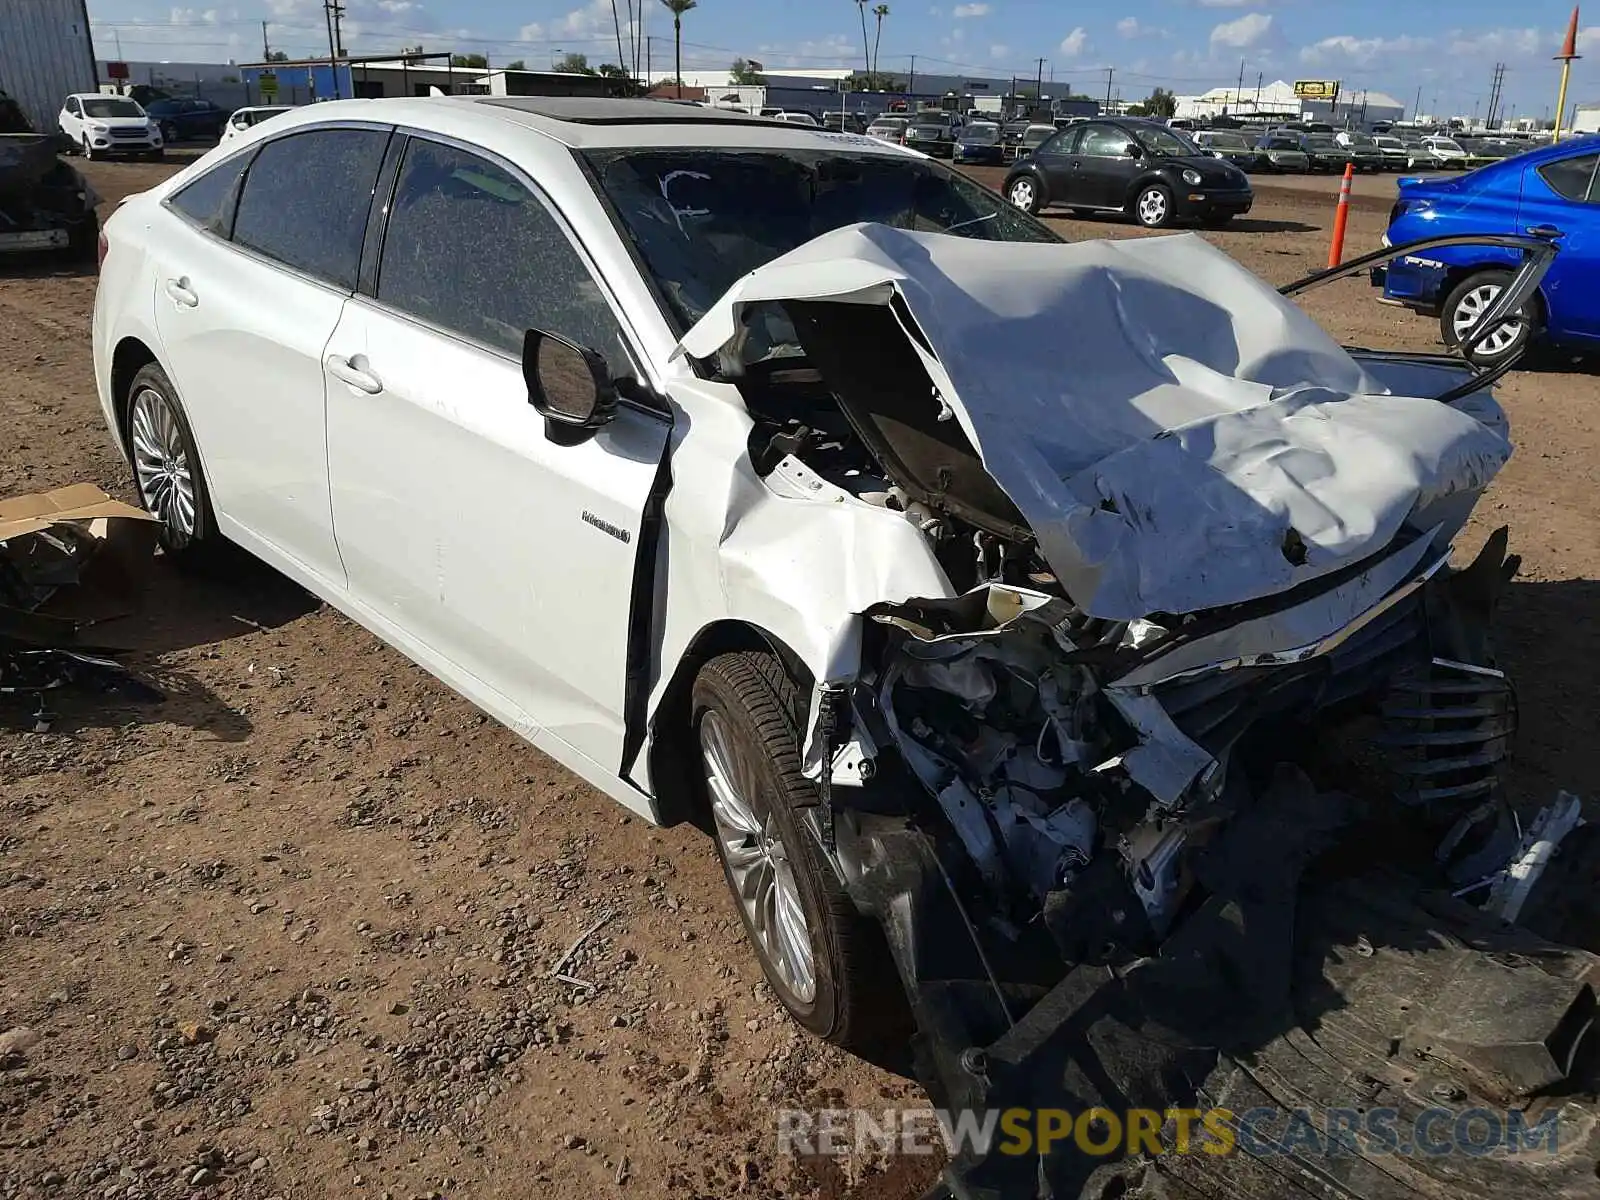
1151	173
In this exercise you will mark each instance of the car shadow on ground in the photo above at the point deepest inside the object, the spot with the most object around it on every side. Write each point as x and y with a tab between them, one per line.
171	610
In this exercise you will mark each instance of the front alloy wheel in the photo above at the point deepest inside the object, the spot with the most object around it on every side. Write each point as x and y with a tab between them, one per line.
1024	194
759	868
1153	208
827	964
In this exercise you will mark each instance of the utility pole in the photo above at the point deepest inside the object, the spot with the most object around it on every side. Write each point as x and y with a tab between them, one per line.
1416	109
1110	71
266	50
332	10
1259	77
1038	84
911	85
1494	95
1238	92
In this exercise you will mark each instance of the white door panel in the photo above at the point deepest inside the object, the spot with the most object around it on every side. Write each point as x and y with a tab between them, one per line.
244	345
459	521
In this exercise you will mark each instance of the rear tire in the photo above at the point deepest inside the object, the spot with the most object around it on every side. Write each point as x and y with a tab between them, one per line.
830	968
1471	297
166	470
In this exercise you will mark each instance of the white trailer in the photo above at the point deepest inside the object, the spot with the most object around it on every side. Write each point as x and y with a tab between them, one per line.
45	54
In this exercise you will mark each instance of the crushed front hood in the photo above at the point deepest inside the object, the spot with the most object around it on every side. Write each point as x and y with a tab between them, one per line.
1176	435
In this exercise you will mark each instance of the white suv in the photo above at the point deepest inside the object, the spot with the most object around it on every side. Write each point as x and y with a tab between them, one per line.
101	125
964	582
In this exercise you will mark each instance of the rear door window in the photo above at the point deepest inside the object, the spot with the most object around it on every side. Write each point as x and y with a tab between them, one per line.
209	201
306	197
1572	178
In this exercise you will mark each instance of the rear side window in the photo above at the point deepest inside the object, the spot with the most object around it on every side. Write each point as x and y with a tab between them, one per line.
306	198
209	201
470	249
1572	178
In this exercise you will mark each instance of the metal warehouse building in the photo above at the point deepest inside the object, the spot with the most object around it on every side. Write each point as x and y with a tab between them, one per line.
45	53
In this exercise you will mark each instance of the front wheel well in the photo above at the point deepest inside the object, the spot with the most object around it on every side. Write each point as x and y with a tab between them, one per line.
674	779
127	360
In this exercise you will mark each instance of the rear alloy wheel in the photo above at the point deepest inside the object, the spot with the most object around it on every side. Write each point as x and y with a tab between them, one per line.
166	468
1467	302
1153	207
1023	192
827	964
169	132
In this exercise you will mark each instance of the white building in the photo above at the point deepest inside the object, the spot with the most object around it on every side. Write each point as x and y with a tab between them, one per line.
1360	106
1586	119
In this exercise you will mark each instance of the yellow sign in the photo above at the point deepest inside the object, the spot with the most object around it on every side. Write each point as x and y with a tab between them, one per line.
1317	89
268	83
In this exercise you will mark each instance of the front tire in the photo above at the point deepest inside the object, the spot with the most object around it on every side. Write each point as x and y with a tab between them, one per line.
1152	207
88	150
166	469
827	963
1468	300
1026	192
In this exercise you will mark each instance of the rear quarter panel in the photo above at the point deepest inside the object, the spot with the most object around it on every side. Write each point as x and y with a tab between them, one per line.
1485	201
124	299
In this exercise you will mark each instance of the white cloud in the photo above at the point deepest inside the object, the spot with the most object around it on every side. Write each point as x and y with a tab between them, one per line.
1243	33
399	6
1074	43
533	32
1223	3
1504	42
1128	27
999	50
1346	48
962	11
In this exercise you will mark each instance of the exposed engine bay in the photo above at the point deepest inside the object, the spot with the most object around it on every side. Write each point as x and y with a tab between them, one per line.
1115	846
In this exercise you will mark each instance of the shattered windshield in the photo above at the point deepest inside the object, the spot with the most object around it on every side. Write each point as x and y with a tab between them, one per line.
700	220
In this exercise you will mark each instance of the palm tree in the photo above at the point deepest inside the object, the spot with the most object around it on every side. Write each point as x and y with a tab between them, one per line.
677	8
880	11
866	49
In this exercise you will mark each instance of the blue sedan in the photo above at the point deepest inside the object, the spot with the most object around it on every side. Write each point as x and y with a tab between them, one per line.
979	143
1550	191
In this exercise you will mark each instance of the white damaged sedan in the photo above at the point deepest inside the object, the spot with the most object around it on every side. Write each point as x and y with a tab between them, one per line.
1053	637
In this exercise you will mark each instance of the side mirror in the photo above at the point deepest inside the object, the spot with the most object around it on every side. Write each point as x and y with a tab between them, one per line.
1132	150
570	386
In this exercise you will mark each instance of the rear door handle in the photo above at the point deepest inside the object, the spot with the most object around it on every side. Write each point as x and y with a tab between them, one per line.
353	370
181	293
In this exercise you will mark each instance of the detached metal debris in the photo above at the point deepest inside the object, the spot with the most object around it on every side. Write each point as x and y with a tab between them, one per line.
64	558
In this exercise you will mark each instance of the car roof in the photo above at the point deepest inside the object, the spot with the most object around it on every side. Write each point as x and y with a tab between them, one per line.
583	123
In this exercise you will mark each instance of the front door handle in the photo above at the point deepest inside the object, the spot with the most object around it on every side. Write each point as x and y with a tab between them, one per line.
355	371
1547	232
181	293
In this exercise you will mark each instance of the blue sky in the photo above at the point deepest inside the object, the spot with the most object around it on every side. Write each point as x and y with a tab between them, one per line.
1186	45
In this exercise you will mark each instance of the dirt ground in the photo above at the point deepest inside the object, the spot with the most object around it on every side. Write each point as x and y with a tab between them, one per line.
289	932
